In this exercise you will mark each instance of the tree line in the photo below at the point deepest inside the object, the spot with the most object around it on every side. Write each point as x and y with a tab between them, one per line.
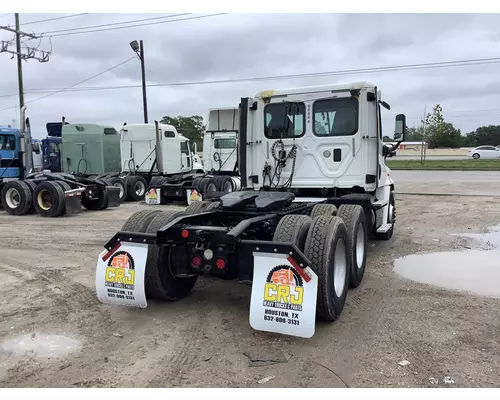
439	133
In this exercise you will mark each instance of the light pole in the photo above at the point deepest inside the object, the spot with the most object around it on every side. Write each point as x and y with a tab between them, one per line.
139	49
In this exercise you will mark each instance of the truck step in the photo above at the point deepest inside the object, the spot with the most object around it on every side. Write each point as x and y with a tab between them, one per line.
380	203
384	228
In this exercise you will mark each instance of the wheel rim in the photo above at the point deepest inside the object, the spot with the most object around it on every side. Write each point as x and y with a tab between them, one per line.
340	268
476	156
360	246
13	198
140	188
228	187
122	189
44	199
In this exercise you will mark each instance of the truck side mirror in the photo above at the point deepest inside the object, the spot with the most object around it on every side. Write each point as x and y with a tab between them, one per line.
400	128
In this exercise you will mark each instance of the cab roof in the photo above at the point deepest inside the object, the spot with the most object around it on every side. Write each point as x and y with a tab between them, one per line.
316	88
164	127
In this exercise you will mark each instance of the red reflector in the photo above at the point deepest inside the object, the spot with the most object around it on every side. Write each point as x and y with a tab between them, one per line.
220	263
196	261
185	234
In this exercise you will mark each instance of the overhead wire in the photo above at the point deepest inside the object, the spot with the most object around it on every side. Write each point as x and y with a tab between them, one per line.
407	67
136	25
76	84
53	19
113	24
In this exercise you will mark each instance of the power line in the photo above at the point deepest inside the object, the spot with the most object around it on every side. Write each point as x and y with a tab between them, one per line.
54	19
407	67
76	84
115	23
136	25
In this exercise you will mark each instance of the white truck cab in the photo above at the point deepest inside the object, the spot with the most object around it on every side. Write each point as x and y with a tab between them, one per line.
328	136
220	143
138	149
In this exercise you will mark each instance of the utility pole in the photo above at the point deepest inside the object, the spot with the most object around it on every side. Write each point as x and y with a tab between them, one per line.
139	50
31	53
25	131
19	63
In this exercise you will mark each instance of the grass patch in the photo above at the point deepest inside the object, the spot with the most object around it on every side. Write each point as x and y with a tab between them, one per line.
459	165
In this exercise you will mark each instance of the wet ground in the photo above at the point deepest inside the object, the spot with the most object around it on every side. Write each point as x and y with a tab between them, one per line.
436	326
472	271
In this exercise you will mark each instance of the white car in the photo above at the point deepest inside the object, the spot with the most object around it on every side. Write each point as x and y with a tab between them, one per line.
484	152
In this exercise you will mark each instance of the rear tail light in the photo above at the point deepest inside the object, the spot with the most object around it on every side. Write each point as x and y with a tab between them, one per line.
185	233
220	263
196	261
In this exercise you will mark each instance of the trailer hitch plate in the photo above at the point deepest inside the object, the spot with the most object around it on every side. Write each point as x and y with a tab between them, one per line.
283	296
120	275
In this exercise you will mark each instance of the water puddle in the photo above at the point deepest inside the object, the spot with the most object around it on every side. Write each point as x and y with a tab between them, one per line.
476	270
41	346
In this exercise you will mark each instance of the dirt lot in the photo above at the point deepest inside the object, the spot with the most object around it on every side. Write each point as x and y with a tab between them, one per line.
47	288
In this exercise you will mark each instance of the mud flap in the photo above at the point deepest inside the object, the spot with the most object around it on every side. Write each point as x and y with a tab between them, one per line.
73	201
120	275
283	296
113	196
153	196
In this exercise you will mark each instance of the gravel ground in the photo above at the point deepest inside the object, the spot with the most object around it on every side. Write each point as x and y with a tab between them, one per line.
69	339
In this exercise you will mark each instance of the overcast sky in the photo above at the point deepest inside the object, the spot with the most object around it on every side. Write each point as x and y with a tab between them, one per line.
254	45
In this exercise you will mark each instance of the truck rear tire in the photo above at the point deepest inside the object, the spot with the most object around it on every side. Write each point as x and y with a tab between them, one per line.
64	186
197	207
49	199
212	206
155	181
98	204
208	185
323	209
32	186
293	229
139	221
197	183
136	187
225	184
354	219
17	198
326	248
120	184
159	281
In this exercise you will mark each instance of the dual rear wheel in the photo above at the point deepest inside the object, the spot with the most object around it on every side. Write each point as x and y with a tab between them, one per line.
335	245
334	240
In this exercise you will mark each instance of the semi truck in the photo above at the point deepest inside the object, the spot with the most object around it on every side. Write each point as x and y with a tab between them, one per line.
25	191
220	142
315	189
219	173
127	159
